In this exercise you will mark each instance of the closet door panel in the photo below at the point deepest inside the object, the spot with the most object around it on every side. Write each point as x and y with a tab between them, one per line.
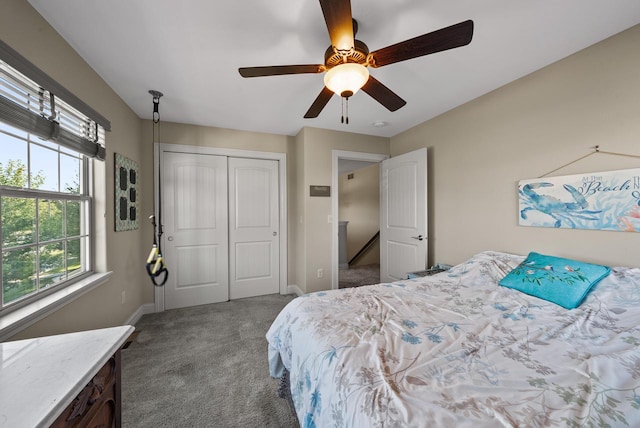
254	227
196	229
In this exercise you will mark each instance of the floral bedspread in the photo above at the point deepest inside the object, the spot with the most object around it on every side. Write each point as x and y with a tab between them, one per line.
458	350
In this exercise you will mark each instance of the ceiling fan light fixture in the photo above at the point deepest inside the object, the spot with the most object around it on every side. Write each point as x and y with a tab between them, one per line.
346	79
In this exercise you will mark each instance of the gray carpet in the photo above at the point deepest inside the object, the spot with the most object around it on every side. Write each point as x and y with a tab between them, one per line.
357	276
204	366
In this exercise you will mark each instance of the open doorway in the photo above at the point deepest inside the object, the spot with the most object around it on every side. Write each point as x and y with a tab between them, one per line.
355	208
359	223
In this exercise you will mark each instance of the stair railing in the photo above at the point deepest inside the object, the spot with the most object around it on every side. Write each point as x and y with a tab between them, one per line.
364	249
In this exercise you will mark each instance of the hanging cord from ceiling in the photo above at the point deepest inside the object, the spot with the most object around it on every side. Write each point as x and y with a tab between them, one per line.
155	266
596	150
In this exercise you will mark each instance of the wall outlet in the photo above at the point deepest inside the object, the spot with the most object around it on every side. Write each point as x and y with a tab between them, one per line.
124	297
320	273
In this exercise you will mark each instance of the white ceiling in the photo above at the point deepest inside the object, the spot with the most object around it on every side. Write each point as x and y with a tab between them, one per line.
191	51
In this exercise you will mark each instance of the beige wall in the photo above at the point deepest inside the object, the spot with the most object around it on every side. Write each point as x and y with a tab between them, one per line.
526	129
299	214
292	204
360	206
207	136
24	30
318	145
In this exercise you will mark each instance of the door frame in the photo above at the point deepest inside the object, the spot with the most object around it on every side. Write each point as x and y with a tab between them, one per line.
158	156
336	155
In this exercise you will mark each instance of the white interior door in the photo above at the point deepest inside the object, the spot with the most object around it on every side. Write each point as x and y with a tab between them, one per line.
196	229
403	215
254	249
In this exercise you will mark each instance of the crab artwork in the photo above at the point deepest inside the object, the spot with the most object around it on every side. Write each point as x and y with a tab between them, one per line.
606	200
564	213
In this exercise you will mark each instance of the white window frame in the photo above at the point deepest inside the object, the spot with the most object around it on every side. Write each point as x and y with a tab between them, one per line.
86	209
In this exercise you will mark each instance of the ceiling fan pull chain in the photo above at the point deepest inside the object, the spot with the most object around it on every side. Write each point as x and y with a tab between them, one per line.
345	108
346	100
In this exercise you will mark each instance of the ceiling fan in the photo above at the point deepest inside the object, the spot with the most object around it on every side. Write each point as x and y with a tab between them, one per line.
347	59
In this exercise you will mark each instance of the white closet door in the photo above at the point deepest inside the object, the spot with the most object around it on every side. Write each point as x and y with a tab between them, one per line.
196	229
254	250
403	215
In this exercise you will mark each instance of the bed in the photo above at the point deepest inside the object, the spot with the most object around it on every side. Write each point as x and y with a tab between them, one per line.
458	350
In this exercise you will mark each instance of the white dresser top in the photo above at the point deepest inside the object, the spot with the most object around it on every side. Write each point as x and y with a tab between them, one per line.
40	377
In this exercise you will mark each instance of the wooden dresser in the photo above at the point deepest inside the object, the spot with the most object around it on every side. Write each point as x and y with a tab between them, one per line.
68	380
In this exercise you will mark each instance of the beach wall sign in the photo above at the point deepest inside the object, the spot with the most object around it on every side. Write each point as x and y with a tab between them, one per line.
600	201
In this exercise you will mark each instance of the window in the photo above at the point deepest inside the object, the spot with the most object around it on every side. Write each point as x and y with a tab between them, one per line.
46	146
45	208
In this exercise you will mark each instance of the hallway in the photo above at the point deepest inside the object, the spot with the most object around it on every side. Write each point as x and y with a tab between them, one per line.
357	276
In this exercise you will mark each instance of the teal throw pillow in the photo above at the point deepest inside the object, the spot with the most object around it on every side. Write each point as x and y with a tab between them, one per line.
564	282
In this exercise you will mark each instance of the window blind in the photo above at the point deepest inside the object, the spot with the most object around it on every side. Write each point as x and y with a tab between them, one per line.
44	108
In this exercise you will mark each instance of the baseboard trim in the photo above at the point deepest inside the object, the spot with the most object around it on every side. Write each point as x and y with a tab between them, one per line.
147	308
294	289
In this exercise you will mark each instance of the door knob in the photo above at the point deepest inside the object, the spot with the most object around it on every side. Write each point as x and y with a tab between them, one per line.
170	238
275	233
419	237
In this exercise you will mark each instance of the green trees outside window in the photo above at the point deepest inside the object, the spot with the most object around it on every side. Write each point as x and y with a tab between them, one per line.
42	238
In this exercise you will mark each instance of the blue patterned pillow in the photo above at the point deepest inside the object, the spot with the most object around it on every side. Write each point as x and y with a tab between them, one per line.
561	281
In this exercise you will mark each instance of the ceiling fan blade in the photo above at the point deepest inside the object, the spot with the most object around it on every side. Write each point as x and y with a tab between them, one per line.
321	101
440	40
277	70
337	15
382	94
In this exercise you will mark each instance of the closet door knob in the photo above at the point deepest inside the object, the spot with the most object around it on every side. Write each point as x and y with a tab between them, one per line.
170	238
275	233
